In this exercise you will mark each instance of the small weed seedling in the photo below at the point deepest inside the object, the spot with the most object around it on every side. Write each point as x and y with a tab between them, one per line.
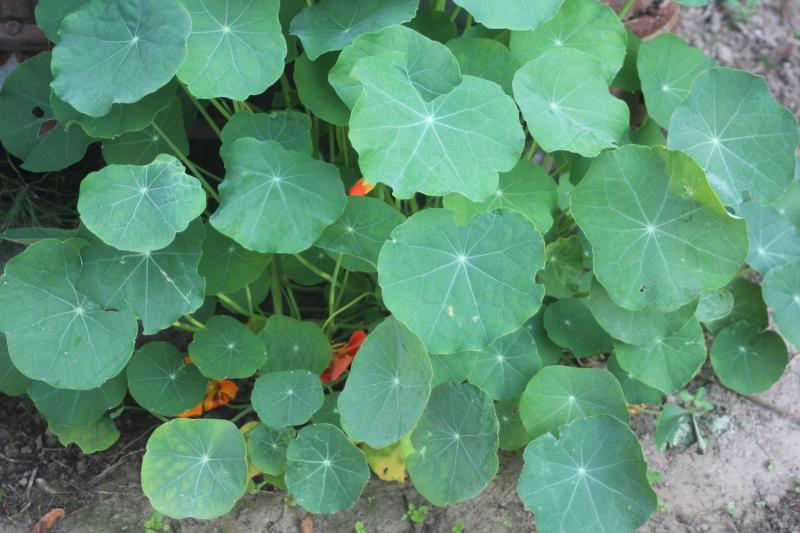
155	524
415	514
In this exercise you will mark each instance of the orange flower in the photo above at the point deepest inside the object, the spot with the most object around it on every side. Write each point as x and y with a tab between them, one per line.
218	393
361	188
343	354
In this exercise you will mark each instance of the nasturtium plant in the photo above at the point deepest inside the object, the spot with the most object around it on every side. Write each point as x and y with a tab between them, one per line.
391	236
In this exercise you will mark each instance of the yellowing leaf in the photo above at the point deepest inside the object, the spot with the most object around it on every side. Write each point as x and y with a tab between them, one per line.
388	463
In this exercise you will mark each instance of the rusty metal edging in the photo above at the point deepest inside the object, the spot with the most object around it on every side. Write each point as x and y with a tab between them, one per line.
18	29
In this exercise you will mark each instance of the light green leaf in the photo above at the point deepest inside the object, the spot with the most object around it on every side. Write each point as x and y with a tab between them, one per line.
667	67
77	408
325	473
135	51
634	390
333	24
95	437
628	76
266	448
667	363
225	348
226	265
452	367
774	241
506	365
294	345
159	286
586	26
56	334
388	386
457	142
287	398
461	287
455	445
748	305
314	91
636	327
748	360
511	14
788	204
235	49
564	273
50	13
329	412
360	232
274	200
512	433
291	129
160	381
29	129
526	188
549	352
485	58
782	294
289	9
565	101
736	131
195	468
570	324
12	381
659	234
557	395
430	65
714	305
592	478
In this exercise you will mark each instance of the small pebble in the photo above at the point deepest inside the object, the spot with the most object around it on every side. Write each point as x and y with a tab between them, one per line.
773	500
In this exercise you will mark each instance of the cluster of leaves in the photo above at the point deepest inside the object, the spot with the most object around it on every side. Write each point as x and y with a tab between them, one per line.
522	282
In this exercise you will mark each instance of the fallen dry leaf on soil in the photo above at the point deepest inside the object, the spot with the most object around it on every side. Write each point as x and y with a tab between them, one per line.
47	522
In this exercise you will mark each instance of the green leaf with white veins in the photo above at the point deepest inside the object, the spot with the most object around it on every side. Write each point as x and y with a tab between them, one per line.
388	386
118	51
291	129
592	478
56	334
457	142
225	348
333	24
287	398
505	367
659	234
736	131
461	287
76	408
485	58
747	359
586	26
510	14
566	103
774	241
235	49
266	448
667	68
293	345
226	265
140	208
713	305
570	324
782	294
160	286
274	200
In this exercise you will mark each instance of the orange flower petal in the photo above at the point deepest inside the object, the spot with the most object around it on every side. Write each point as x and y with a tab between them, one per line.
361	188
342	357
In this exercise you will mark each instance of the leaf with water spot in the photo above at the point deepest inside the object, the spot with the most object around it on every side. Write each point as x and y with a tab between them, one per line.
570	324
781	288
506	365
714	305
225	348
774	241
511	14
748	305
226	265
77	408
747	359
293	345
287	398
292	129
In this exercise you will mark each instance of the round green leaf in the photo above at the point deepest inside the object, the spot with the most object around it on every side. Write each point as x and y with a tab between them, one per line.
526	188
557	395
510	14
452	367
77	408
586	26
667	68
140	208
659	234
291	129
565	101
314	91
455	445
333	24
782	294
667	363
268	193
235	49
95	437
194	468
461	287
135	51
388	386
592	478
774	241
226	265
429	64
714	305
736	131
29	129
50	13
294	345
748	305
456	142
564	273
570	324
360	232
636	327
225	348
788	204
324	472
485	58
287	398
56	334
512	433
634	390
159	286
748	360
506	365
549	352
329	412
12	381
266	448
160	381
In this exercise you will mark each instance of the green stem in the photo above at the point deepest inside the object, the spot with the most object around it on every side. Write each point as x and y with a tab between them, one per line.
530	151
627	7
286	89
341	310
221	108
295	309
455	13
241	414
439	5
468	23
230	303
185	327
345	279
306	263
331	144
249	295
162	418
197	174
203	112
275	287
193	321
309	3
332	293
